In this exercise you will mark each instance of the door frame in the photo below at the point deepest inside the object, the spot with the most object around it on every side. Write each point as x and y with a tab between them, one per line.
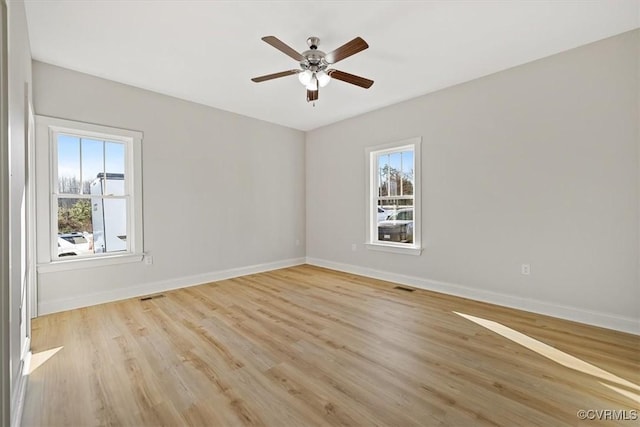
5	356
28	300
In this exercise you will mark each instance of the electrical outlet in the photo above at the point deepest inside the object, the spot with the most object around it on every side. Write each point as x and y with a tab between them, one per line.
354	247
525	269
148	259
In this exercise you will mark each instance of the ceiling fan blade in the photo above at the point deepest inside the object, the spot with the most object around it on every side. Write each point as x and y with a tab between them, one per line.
312	95
350	78
346	50
274	75
283	47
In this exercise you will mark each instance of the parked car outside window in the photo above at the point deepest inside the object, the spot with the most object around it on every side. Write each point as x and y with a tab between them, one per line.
398	227
74	244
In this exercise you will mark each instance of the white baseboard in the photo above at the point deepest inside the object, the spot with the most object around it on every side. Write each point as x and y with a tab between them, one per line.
605	320
20	388
63	304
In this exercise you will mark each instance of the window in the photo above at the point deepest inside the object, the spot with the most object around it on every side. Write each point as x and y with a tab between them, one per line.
95	191
394	198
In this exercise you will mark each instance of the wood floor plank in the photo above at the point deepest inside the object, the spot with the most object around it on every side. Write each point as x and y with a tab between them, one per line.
307	346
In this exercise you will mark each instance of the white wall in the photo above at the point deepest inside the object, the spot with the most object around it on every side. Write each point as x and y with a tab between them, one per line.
537	164
223	193
19	81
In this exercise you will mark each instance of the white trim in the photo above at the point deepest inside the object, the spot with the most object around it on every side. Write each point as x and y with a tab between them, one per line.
64	304
5	318
89	129
32	284
393	248
17	400
605	320
20	388
371	178
92	262
49	127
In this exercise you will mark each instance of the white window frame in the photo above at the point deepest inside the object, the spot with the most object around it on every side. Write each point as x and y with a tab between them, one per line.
372	241
50	128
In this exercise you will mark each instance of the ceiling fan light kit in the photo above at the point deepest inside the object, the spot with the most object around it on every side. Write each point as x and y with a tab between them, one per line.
305	77
314	71
323	78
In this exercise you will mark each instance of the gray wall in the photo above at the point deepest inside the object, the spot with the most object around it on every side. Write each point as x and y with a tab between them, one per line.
537	164
221	191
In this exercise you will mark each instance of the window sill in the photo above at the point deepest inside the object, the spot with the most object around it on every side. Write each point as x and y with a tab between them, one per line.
81	263
396	249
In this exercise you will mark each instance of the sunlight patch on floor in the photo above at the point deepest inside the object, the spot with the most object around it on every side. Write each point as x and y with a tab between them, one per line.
629	394
554	354
38	359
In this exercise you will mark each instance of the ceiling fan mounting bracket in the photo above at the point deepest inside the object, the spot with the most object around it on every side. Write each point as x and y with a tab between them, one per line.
313	42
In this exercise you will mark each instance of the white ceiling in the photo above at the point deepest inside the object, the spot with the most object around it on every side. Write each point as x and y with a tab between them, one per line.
207	51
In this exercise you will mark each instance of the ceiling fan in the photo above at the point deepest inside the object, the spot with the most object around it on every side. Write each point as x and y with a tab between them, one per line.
314	71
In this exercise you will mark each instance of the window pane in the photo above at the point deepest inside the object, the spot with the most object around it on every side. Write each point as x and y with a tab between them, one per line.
383	175
114	167
394	174
75	227
68	164
110	185
395	184
109	225
407	172
92	162
381	213
398	227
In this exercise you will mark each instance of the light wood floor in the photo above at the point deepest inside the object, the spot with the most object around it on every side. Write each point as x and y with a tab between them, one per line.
306	346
